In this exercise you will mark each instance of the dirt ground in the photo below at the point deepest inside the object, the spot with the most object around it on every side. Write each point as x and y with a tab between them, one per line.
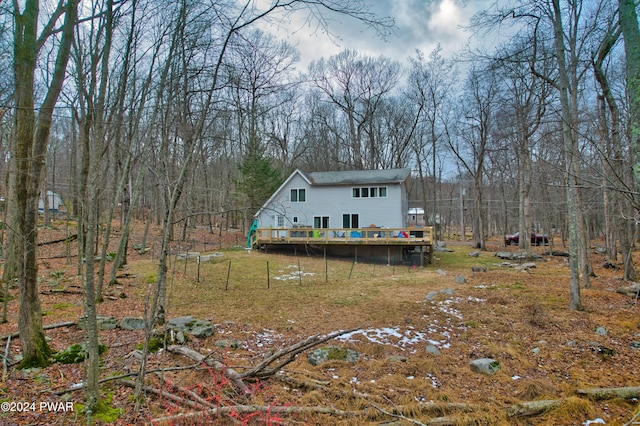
417	331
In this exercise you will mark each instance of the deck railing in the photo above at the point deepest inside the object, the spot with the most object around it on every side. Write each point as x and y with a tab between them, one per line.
371	236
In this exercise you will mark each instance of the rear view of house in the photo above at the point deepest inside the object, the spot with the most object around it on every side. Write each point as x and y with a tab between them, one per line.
346	199
341	210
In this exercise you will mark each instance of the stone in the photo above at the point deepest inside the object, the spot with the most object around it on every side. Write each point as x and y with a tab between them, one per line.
332	353
431	295
478	269
232	344
601	331
484	365
103	322
474	254
189	325
132	323
460	280
432	349
397	358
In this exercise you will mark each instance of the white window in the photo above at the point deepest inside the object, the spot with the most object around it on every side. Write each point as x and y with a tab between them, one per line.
298	195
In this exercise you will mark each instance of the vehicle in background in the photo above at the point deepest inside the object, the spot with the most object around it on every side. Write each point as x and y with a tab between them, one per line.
536	239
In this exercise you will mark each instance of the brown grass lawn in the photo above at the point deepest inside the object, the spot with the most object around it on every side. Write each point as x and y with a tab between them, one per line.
519	318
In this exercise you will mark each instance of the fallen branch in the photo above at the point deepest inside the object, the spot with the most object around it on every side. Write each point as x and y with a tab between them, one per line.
230	373
262	371
61	240
46	327
79	386
609	393
165	394
245	409
532	408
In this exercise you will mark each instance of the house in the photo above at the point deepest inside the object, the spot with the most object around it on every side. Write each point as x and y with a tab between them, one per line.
55	203
416	216
360	213
345	199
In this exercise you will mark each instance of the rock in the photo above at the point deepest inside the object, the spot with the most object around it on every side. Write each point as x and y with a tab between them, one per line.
331	353
635	345
536	351
233	344
132	323
478	269
484	365
526	266
433	294
518	255
397	358
474	254
103	322
189	325
460	280
432	349
441	272
601	331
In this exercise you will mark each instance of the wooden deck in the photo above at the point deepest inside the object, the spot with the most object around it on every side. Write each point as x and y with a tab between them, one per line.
402	238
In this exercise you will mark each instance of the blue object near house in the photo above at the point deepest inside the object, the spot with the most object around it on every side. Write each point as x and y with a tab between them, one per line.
252	231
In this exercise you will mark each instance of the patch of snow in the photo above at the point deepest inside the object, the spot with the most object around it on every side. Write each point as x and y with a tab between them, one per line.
595	421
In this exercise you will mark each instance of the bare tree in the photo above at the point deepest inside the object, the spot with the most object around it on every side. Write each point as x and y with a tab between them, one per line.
30	151
357	86
431	83
473	140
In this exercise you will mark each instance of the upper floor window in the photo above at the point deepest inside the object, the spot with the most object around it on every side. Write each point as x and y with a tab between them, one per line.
370	192
298	195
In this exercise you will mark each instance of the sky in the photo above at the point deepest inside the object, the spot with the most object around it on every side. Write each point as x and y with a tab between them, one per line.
420	24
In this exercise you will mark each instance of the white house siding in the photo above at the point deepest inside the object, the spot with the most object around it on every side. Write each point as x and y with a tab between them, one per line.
333	202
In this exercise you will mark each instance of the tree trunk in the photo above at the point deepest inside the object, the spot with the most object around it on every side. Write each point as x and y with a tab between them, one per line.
31	149
571	160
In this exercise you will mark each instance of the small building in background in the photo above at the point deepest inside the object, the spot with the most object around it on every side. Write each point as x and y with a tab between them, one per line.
56	205
416	216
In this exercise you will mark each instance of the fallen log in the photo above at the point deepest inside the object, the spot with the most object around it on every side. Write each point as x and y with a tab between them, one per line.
532	408
610	393
61	240
246	409
46	327
175	398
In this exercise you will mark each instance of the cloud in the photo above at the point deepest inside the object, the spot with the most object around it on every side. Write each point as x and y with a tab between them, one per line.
421	24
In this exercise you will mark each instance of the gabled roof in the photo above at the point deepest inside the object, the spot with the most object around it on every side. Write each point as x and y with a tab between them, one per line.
358	177
353	177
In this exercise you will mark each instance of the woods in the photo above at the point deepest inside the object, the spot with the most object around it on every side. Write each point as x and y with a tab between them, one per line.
188	114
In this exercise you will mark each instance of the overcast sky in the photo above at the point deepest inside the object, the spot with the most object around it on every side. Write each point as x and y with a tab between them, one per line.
421	24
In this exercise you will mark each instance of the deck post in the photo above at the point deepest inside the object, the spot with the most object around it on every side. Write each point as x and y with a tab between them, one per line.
388	255
421	256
